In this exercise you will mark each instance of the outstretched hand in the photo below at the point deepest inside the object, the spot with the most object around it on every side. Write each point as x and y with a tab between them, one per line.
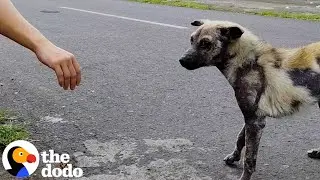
14	26
63	63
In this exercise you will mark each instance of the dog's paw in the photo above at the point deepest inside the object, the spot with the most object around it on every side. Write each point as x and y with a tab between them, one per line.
314	153
231	158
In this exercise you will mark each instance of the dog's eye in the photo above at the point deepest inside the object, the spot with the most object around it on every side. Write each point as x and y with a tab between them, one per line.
205	44
191	39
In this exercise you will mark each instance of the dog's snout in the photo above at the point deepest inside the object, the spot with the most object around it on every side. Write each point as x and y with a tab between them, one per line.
188	60
186	63
183	62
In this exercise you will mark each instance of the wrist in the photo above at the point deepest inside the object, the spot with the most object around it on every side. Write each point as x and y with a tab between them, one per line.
40	44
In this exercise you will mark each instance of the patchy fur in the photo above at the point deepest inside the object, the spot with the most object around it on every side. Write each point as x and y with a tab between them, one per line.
267	81
305	58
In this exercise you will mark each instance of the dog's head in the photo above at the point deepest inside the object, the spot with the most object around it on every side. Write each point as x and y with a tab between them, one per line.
209	43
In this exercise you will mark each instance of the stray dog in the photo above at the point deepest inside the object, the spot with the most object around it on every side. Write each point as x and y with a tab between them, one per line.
267	81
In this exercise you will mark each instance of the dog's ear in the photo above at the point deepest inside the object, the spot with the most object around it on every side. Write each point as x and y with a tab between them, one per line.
197	23
231	33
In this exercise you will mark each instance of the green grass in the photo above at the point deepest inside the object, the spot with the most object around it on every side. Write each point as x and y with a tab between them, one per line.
182	3
3	117
10	132
302	16
203	6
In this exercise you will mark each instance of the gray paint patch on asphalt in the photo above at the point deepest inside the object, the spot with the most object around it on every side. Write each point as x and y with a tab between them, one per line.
141	168
173	145
109	150
174	169
126	173
53	119
86	161
105	152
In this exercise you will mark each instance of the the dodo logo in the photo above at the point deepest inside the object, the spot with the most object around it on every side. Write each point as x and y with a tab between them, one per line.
20	158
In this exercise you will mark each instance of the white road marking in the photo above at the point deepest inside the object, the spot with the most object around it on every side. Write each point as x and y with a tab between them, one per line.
126	18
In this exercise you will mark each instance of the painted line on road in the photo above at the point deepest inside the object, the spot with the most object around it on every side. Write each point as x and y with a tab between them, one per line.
126	18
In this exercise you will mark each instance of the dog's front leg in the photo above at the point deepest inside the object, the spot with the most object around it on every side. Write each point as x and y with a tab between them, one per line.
236	154
253	132
249	86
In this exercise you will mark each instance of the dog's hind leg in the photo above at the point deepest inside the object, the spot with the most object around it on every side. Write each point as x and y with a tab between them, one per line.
236	154
314	153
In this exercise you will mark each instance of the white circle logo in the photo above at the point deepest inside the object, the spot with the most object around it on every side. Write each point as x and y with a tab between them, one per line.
20	158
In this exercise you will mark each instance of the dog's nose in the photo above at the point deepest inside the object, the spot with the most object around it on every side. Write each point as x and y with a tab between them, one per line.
183	62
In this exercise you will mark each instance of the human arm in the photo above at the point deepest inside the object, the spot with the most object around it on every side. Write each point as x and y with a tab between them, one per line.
14	26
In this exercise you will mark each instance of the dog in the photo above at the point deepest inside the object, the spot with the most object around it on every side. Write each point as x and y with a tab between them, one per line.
267	81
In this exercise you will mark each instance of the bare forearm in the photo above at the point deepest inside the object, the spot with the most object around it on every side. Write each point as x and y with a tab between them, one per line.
14	26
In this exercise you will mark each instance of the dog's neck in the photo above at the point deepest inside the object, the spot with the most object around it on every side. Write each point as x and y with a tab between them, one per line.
236	55
224	57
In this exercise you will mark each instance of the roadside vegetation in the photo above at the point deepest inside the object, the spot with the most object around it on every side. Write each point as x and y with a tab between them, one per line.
9	130
203	6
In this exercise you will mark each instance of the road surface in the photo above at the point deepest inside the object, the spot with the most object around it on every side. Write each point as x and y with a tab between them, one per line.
138	114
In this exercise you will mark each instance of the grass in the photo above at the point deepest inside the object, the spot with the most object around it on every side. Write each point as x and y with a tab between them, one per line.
182	3
302	16
10	132
3	117
203	6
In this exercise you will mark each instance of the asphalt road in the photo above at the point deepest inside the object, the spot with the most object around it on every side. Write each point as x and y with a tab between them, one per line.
139	115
